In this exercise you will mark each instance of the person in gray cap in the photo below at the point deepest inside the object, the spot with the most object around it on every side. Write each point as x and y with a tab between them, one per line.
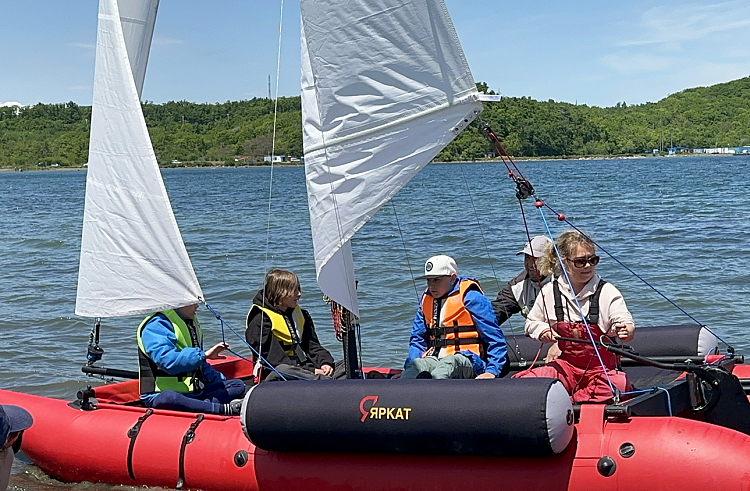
520	292
13	421
454	334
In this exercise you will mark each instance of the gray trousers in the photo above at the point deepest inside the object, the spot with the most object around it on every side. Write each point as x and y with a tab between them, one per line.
299	373
452	366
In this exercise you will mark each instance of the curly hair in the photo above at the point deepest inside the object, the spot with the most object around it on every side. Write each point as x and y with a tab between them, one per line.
280	283
566	243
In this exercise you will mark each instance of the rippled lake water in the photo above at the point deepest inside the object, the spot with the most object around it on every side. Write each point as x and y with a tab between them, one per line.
680	223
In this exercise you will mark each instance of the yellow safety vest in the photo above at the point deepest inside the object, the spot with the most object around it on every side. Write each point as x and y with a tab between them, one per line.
154	379
280	328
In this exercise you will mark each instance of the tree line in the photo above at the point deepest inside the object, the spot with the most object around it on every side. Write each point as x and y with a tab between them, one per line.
242	131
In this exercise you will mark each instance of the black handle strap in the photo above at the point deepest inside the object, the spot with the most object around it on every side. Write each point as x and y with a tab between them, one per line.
187	438
133	434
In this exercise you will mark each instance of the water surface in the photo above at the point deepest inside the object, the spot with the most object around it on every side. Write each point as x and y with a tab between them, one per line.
678	222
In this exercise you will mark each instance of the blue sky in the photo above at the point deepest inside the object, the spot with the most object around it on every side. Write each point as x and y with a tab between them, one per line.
589	52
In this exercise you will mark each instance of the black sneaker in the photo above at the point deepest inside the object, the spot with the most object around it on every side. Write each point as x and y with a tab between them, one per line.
236	407
233	408
424	375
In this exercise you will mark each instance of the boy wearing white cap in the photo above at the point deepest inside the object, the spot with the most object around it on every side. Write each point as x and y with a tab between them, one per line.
454	334
520	292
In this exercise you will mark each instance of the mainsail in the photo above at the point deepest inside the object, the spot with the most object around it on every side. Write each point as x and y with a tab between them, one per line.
133	260
385	87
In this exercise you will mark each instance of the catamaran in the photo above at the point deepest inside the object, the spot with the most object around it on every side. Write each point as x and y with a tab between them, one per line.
385	87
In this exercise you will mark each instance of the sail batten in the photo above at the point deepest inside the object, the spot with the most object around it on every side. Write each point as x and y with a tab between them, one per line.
385	86
133	259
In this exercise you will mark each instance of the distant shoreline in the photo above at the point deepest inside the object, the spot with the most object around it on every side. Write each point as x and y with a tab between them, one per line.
483	161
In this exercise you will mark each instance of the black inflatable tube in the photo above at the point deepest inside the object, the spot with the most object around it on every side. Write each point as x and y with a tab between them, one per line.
519	417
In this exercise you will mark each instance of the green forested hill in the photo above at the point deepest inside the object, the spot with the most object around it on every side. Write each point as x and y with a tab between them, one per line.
701	117
718	115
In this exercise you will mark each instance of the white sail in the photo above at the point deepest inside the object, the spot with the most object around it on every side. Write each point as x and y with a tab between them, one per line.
385	86
137	18
133	259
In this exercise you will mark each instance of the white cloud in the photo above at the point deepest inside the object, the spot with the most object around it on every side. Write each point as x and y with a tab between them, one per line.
671	26
10	104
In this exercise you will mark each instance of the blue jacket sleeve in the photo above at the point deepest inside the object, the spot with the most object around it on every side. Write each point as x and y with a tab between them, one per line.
160	343
418	338
484	316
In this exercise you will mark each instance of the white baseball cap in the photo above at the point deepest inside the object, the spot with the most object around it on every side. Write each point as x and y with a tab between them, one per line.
536	246
437	266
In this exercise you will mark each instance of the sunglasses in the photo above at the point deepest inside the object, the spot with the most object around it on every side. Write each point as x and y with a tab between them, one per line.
580	262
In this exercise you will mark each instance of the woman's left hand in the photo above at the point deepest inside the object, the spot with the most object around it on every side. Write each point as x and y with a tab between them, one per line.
326	370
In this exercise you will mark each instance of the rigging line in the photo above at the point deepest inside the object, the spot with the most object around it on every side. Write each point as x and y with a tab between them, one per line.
500	150
653	391
406	254
539	281
273	146
486	247
479	224
223	340
614	390
528	238
637	275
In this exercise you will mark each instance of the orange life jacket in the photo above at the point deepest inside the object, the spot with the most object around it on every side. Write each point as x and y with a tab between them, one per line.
458	331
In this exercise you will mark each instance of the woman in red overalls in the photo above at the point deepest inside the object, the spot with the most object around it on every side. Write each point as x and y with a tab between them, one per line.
556	314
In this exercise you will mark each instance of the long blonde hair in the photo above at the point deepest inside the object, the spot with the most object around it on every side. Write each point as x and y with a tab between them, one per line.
567	243
280	283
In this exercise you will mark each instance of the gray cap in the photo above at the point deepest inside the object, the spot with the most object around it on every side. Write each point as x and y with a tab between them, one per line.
536	246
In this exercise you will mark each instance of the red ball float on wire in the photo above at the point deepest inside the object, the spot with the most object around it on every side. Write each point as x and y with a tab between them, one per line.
539	203
561	217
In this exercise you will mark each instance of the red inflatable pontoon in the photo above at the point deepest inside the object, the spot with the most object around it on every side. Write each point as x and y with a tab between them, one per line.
625	447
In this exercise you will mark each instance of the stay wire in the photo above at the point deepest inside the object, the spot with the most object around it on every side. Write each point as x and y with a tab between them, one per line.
273	145
514	172
635	274
406	253
539	281
479	225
